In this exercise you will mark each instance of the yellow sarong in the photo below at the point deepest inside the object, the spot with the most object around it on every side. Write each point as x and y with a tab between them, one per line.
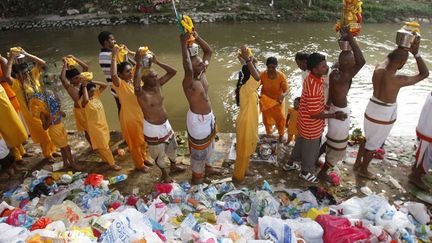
58	135
132	122
98	129
11	129
246	127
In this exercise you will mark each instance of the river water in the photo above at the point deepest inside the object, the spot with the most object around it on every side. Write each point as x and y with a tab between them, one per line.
282	40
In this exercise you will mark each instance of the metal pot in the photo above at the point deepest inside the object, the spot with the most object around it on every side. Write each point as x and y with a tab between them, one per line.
404	38
345	45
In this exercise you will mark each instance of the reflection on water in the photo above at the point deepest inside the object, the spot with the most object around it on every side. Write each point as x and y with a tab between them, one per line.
280	40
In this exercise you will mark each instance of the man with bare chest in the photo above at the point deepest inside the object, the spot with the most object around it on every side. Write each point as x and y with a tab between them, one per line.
158	132
381	111
201	125
349	63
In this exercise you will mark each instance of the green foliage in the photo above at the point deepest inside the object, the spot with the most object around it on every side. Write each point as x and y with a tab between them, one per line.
319	10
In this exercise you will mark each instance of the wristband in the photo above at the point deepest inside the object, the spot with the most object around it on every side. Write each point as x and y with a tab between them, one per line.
417	55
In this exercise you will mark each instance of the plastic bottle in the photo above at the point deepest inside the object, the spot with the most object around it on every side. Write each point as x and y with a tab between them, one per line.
116	179
236	218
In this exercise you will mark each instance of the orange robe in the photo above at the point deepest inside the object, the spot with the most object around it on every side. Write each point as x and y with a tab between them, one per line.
34	124
273	113
132	122
246	128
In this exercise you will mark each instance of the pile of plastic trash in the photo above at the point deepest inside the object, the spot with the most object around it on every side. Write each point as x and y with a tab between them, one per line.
76	207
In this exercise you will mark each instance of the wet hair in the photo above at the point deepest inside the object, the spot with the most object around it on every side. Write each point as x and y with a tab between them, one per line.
72	73
301	56
122	66
397	55
22	67
244	76
272	60
103	36
90	85
314	60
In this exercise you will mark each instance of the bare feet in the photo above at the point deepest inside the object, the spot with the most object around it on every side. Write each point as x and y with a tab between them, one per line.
148	163
196	181
50	160
115	167
323	176
211	171
143	169
366	174
238	182
415	179
174	169
56	155
166	179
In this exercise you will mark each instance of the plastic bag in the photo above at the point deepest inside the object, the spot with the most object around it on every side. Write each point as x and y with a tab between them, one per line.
419	211
68	212
41	223
337	229
129	225
19	217
263	204
94	179
309	229
12	234
276	230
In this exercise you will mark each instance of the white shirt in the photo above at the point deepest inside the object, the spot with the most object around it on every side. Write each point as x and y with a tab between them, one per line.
424	126
4	151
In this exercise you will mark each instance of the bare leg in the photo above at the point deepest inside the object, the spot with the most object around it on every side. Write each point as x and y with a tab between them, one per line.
87	137
165	176
360	154
174	168
415	177
322	175
363	168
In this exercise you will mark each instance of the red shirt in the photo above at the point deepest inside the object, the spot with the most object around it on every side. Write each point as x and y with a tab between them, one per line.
311	103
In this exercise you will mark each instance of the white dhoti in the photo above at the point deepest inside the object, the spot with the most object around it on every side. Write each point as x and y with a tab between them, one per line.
424	133
337	136
378	122
161	142
201	133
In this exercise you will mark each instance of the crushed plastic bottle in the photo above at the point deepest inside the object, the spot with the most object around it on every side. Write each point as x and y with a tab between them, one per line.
117	179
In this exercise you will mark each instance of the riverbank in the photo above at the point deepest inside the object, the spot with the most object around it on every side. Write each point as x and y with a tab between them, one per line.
395	167
108	14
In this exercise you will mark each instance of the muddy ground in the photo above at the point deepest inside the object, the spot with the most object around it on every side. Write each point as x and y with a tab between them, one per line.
399	157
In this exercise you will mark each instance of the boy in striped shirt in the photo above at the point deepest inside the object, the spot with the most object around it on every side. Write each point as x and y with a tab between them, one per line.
311	119
107	41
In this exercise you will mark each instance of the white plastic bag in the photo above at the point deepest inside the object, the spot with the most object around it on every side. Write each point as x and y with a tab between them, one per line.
276	230
309	229
419	211
130	225
12	234
263	204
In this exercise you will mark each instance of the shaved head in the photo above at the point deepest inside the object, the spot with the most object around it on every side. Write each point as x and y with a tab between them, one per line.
398	56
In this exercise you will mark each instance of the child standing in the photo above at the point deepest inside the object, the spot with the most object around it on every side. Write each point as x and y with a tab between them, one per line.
291	120
47	107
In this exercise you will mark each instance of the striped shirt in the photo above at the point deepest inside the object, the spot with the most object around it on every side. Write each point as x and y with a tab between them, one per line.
105	63
311	103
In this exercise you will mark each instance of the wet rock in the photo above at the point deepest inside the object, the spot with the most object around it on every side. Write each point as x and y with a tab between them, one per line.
72	11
